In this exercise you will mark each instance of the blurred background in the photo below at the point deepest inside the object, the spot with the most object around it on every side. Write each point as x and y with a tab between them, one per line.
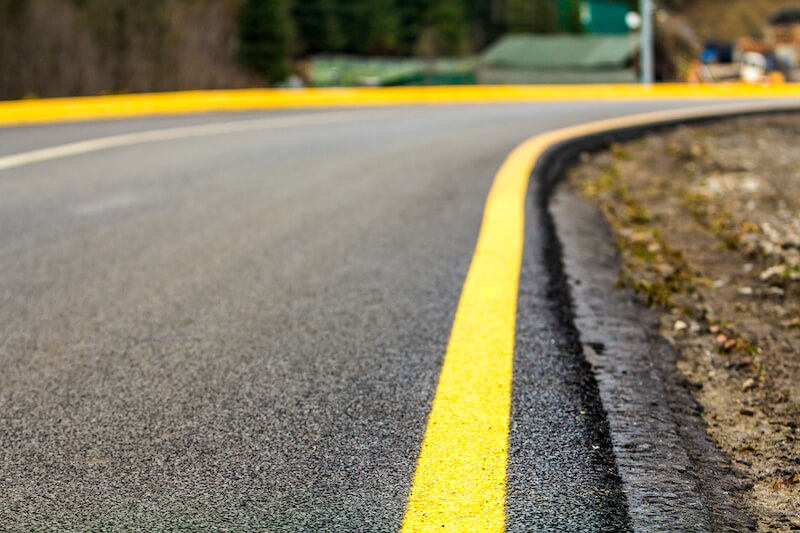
87	47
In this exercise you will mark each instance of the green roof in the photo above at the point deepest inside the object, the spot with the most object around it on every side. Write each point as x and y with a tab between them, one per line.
560	52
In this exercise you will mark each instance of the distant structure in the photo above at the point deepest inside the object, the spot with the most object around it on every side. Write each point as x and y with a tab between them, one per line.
774	59
605	17
604	52
552	59
784	25
783	36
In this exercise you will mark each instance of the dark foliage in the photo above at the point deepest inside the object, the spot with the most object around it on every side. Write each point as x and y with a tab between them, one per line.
265	37
389	27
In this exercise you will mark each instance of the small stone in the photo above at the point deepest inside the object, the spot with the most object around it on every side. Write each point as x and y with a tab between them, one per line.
680	325
745	291
730	344
793	323
771	272
721	339
749	384
664	269
746	411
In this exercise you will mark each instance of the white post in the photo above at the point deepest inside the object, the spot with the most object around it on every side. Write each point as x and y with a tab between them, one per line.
646	55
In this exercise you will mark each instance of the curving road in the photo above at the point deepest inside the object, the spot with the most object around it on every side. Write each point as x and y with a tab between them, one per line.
241	328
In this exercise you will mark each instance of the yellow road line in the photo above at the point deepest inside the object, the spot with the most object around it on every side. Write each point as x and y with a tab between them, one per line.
461	473
120	106
459	483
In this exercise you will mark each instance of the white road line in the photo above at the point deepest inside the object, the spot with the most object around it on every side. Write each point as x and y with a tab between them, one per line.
185	132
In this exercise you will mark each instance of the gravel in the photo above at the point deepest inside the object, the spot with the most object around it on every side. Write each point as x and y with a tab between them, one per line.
707	218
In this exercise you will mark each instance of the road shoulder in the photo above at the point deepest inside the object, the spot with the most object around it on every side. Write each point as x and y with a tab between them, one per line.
675	477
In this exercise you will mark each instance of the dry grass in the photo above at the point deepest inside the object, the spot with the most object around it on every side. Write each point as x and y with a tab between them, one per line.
62	48
730	19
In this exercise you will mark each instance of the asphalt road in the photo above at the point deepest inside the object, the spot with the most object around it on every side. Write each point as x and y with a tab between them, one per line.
243	331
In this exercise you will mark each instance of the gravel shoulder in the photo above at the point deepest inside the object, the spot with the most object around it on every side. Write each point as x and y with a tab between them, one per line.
708	223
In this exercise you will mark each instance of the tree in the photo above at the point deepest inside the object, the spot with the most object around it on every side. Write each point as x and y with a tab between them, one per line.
383	30
544	16
370	26
414	16
519	16
572	19
265	37
318	26
450	25
486	21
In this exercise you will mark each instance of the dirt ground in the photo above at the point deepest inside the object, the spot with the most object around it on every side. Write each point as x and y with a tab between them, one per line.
708	221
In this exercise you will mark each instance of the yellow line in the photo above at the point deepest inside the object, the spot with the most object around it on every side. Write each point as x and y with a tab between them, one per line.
460	480
120	106
459	483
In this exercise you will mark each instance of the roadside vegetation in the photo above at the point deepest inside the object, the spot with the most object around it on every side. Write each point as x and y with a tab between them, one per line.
79	47
707	223
84	47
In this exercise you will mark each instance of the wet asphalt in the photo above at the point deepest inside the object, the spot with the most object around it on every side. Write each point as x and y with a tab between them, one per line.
244	332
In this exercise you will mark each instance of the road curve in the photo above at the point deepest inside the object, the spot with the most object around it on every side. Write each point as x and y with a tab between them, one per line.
241	328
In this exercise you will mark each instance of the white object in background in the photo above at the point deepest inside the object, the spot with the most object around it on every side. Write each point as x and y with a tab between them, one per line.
753	67
586	13
633	20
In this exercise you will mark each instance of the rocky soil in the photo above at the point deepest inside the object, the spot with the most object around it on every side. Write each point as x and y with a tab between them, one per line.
708	222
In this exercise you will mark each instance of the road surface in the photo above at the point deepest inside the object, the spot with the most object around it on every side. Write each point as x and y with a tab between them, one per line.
242	328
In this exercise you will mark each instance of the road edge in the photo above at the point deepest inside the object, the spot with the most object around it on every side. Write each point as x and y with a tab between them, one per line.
674	475
478	367
55	110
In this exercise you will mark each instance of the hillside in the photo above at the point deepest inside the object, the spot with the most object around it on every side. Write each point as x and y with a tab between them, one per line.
80	47
729	19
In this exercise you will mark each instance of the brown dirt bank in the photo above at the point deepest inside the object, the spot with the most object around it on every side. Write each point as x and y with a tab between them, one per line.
84	47
708	221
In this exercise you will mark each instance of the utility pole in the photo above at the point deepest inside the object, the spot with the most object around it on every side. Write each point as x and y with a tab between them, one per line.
646	55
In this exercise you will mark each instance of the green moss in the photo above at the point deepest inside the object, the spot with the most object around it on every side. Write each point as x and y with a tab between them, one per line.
655	293
747	347
621	153
605	184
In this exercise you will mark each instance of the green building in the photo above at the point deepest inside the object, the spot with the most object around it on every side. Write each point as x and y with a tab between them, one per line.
602	16
583	16
551	59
